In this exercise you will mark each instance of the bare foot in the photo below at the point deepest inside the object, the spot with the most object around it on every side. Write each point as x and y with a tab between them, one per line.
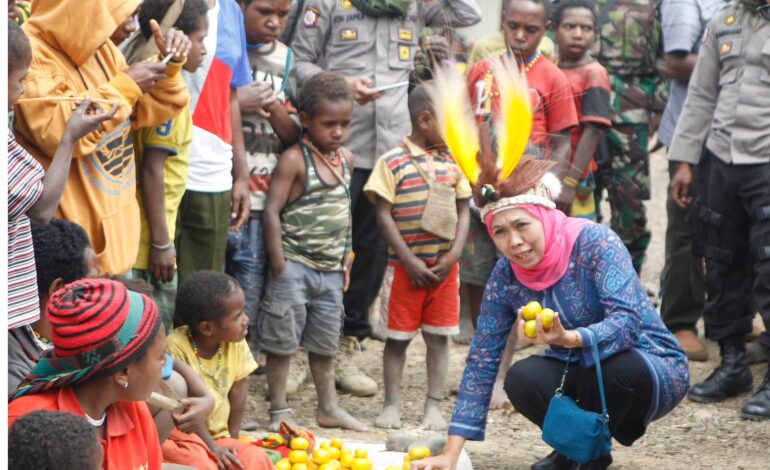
338	418
286	415
466	328
499	398
433	419
389	418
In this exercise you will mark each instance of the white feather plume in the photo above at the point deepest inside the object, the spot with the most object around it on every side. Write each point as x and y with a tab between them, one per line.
552	184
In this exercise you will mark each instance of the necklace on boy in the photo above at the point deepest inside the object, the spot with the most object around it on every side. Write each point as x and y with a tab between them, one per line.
532	61
41	338
334	158
220	361
96	422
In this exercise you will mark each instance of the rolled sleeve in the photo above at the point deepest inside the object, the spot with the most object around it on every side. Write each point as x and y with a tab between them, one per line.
681	25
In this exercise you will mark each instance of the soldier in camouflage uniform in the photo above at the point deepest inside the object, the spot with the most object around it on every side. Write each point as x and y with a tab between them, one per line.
629	47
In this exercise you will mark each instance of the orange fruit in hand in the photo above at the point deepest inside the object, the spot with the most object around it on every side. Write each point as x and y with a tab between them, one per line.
418	453
546	316
530	311
300	443
530	329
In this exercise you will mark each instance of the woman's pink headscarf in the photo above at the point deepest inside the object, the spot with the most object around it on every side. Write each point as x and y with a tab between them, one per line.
561	232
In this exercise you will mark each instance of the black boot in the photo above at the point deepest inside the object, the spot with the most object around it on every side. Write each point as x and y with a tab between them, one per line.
731	378
758	407
554	461
602	463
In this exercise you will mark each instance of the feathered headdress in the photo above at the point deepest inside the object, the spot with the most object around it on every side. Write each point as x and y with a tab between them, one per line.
507	176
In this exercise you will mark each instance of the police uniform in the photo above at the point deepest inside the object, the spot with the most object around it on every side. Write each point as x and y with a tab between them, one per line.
334	35
728	109
629	46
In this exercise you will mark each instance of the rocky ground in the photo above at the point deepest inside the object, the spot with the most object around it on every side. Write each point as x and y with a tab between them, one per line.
693	436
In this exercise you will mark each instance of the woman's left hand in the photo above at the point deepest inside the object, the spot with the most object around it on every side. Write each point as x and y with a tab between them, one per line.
556	335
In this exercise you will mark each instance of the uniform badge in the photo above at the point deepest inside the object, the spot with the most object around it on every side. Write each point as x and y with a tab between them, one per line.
729	20
405	34
349	34
346	4
725	48
311	17
404	53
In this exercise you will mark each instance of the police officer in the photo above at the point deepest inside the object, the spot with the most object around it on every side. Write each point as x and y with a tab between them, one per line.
728	109
629	47
372	43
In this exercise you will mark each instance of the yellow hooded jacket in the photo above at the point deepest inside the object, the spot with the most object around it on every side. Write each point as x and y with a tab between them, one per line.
72	55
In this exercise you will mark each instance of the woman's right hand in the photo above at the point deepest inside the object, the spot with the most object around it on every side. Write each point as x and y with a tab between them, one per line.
439	462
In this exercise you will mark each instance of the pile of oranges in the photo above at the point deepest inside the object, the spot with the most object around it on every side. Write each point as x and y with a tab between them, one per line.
330	455
530	312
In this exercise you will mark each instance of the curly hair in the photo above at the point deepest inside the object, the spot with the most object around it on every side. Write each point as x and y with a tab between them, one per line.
60	248
563	5
19	50
200	297
52	440
546	4
330	86
188	21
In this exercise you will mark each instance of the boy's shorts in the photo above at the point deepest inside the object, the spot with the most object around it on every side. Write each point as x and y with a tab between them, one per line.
301	307
479	255
405	308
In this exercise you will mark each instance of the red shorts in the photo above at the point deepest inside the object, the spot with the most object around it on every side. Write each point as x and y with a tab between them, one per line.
405	308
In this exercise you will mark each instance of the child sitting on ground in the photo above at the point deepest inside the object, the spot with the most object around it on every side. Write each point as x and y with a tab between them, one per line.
36	441
421	286
575	24
213	342
308	235
33	194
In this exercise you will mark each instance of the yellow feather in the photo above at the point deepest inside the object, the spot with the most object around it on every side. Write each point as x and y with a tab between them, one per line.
514	124
455	119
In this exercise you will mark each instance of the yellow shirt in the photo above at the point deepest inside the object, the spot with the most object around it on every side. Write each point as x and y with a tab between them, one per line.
237	364
173	136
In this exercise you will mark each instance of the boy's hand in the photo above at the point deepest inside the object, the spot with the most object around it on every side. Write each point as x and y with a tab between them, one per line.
443	265
347	264
146	74
87	117
162	263
197	410
362	91
226	458
566	197
278	266
256	96
241	205
175	41
680	185
419	273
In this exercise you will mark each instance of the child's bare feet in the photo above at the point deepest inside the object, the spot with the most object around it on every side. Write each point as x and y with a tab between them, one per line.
389	418
336	417
282	415
433	418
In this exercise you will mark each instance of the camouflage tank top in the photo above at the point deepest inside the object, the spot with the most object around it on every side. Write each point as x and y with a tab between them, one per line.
316	225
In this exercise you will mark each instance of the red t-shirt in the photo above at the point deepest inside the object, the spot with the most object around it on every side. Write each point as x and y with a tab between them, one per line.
132	441
591	89
552	102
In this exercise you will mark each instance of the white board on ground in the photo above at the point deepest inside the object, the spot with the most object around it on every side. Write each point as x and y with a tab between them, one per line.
382	458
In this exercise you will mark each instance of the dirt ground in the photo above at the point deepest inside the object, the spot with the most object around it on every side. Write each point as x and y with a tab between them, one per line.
693	436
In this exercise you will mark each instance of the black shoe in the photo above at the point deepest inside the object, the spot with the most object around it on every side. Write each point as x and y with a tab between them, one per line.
601	463
732	377
554	461
758	406
756	353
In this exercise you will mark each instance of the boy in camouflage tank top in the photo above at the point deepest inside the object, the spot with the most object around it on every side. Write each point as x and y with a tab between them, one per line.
307	235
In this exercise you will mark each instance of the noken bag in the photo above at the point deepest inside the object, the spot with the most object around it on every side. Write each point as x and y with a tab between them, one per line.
440	214
578	434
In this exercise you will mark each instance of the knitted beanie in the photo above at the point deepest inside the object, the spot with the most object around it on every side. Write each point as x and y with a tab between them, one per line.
99	327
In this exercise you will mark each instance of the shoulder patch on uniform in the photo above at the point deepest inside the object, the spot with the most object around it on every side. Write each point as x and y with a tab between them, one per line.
725	48
346	4
405	34
730	20
349	34
311	17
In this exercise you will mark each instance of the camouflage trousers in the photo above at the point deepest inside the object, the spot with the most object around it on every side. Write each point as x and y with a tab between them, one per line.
626	176
164	295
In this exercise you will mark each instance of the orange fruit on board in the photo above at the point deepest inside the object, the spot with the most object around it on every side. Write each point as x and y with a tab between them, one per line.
362	453
321	456
530	311
298	456
300	443
417	453
347	459
283	464
362	464
299	466
336	442
334	453
530	328
546	316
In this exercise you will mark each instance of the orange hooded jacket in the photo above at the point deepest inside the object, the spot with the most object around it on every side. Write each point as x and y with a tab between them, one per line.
72	55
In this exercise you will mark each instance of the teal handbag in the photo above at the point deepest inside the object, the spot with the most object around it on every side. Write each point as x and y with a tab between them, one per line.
579	435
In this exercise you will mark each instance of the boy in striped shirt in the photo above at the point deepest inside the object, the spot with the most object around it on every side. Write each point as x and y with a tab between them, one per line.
421	286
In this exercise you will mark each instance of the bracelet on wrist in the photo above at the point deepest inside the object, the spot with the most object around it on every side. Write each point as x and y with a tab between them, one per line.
570	181
165	247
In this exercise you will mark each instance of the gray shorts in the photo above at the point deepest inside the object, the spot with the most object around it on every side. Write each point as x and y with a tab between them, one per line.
301	307
479	255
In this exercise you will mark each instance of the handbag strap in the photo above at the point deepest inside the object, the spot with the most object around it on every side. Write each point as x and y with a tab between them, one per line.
599	377
416	164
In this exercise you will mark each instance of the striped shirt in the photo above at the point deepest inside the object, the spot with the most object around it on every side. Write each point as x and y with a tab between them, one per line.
316	226
25	186
396	180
